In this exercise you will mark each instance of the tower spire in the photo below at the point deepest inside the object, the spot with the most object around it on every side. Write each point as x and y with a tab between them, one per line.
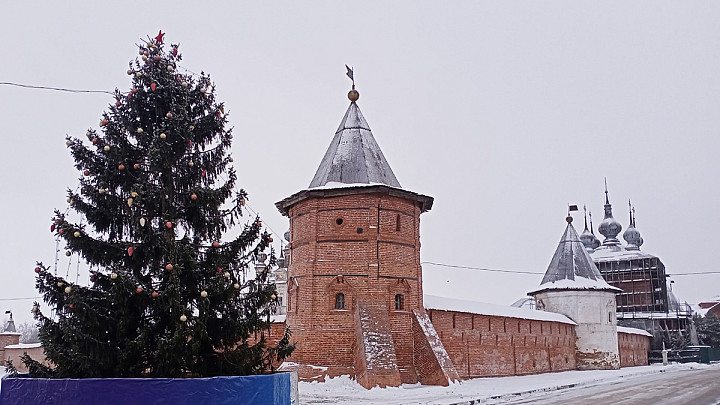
609	227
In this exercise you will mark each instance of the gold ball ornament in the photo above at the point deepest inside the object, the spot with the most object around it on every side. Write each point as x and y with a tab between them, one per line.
130	202
272	297
353	95
101	191
142	221
163	136
203	294
106	148
134	194
129	72
76	234
35	309
138	74
67	290
227	274
191	164
145	58
183	318
68	142
236	286
139	130
113	276
60	284
170	68
231	159
184	84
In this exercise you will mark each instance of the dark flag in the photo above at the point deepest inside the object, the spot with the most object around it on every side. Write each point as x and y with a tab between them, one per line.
350	73
573	208
8	312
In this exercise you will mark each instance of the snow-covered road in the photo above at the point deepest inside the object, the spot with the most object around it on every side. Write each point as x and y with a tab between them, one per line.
696	387
490	390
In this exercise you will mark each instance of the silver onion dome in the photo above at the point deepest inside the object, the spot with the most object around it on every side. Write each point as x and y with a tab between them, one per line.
586	237
609	227
632	235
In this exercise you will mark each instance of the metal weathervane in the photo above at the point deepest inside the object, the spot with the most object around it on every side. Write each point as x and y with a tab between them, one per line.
350	74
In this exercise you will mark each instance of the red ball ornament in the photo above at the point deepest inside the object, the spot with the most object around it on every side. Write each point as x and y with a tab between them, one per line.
204	172
134	90
169	267
121	167
154	294
103	123
175	51
37	269
189	142
139	290
130	251
270	240
153	86
218	114
259	223
193	196
118	103
86	172
61	231
129	95
58	221
95	141
158	57
168	224
169	115
72	306
219	269
136	166
216	244
52	228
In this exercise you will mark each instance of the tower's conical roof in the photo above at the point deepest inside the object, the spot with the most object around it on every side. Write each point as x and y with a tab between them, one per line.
353	156
571	267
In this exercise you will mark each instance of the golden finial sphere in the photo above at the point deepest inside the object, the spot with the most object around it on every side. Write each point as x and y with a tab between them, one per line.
353	95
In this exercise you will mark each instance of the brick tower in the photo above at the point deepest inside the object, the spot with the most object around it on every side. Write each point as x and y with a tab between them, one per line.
354	280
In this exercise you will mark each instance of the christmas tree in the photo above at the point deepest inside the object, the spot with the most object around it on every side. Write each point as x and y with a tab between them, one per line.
167	296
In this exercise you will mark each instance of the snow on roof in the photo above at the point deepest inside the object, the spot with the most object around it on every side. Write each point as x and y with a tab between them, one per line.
633	331
10	333
481	308
24	346
571	268
354	156
580	283
278	318
611	253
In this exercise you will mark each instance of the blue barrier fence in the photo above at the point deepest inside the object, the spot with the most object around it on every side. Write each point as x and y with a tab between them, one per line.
274	389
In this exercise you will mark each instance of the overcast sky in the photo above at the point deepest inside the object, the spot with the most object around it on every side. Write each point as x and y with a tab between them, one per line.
505	112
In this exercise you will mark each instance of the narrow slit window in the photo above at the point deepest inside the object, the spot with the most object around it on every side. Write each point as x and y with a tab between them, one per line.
397	223
339	301
399	302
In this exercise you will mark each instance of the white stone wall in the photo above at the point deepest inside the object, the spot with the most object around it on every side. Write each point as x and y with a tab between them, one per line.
594	312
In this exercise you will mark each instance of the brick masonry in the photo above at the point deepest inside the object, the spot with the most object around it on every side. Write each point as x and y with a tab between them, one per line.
352	256
633	349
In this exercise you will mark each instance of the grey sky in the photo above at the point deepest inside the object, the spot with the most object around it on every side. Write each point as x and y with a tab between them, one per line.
502	111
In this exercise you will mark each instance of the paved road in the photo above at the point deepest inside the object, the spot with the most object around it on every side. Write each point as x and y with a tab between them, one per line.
692	387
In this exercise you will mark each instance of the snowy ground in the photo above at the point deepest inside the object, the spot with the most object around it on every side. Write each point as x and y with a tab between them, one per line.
483	390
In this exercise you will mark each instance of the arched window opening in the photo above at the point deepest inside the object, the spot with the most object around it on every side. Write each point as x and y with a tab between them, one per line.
399	302
339	301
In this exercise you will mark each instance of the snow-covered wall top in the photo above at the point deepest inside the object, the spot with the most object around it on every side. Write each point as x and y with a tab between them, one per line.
580	283
481	308
604	254
24	346
632	331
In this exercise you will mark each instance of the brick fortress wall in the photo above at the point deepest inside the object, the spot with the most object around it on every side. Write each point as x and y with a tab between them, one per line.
365	246
491	346
634	349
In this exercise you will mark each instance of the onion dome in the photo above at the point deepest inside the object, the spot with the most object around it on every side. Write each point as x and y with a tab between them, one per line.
609	227
596	241
586	237
632	235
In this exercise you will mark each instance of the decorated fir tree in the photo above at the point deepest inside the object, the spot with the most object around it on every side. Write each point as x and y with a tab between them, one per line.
167	297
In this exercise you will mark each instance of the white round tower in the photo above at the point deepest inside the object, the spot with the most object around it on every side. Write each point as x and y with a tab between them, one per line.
574	287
